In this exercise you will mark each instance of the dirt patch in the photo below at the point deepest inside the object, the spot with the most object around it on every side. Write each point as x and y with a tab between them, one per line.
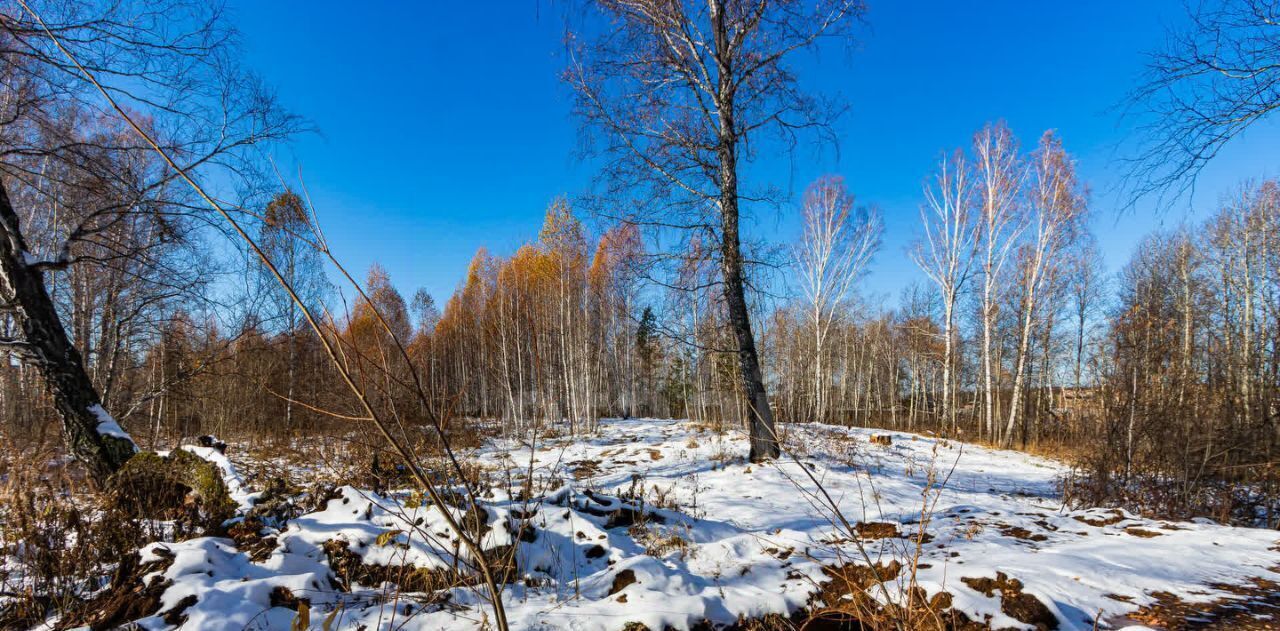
877	530
583	469
128	598
350	569
1252	607
1142	532
276	504
881	439
847	601
779	554
850	577
249	538
621	580
282	596
1019	532
618	513
1111	518
1014	603
476	522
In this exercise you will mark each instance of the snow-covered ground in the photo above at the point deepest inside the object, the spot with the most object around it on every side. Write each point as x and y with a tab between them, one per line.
664	523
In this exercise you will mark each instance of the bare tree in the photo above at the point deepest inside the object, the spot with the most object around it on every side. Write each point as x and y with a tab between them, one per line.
1087	285
945	254
1000	175
1057	205
1215	79
836	247
679	91
285	226
56	138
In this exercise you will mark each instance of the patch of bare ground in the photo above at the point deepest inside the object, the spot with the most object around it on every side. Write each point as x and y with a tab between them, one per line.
129	597
583	469
619	513
846	601
250	538
621	580
1019	532
877	530
351	570
1108	518
1016	604
1252	607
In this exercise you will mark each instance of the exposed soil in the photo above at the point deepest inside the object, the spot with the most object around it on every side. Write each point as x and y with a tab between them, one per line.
877	530
1114	517
621	580
583	469
350	569
844	579
128	598
1253	607
249	538
1019	532
1014	603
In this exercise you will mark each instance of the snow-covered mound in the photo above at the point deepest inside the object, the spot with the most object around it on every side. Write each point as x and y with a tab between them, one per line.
663	523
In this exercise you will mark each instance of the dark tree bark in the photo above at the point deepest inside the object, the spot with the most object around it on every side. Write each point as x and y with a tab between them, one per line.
45	345
763	435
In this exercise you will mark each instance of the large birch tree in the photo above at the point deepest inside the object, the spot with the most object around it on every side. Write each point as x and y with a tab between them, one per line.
680	92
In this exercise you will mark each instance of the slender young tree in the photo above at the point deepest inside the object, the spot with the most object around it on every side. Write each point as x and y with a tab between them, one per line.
1058	206
1086	287
1000	176
945	254
837	244
285	223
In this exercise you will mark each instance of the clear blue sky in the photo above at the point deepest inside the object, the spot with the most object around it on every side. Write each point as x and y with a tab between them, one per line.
444	126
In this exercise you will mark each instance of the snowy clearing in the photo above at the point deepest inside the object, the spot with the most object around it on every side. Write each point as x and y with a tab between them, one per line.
662	523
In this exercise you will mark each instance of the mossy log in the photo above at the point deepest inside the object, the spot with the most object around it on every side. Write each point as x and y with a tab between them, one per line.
179	485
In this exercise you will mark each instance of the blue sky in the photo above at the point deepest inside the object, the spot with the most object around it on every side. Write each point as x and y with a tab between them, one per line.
444	126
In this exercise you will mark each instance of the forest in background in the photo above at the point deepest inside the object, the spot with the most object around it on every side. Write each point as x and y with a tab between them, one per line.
1160	381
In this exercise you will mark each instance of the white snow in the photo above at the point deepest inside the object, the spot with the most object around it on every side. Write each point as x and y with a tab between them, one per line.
755	537
232	592
107	425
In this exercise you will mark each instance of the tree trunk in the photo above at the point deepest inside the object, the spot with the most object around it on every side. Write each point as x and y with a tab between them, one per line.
91	436
1019	378
764	439
948	418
